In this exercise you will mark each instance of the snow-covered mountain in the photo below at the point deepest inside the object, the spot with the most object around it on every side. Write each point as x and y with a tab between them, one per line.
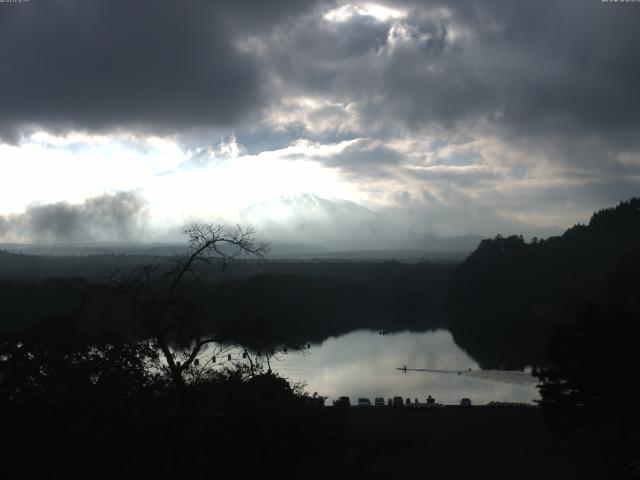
329	224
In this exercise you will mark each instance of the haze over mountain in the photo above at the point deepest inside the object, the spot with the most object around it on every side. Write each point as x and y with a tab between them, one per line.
307	223
295	224
445	118
328	224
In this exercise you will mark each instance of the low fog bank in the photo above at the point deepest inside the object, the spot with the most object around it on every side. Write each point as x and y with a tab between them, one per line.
297	226
446	249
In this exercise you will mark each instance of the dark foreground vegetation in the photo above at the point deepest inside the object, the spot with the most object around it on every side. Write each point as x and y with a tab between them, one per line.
77	407
107	376
475	442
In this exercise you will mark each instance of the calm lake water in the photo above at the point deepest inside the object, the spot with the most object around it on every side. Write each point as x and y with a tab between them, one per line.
363	364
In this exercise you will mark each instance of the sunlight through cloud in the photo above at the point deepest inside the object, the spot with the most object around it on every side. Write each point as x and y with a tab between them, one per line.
379	12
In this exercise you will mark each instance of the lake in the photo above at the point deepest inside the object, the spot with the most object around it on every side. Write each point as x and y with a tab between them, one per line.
364	363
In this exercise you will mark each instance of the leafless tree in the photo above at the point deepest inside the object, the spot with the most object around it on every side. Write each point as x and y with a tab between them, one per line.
153	291
260	342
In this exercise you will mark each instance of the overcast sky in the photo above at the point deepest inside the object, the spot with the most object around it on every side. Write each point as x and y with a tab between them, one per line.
123	117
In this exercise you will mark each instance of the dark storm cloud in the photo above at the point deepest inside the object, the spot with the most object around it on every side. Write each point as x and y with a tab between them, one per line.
560	66
165	65
548	88
161	65
109	217
455	175
523	67
365	157
575	72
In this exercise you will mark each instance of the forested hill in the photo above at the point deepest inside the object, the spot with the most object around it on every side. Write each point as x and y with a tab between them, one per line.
508	292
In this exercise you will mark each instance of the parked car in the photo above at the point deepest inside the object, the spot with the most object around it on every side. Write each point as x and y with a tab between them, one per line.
342	402
465	402
398	402
379	402
364	402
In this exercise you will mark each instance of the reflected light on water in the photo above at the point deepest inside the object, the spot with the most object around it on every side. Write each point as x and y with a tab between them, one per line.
364	364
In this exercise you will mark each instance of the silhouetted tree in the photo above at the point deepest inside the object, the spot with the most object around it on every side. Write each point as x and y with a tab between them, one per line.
61	367
158	292
593	374
592	382
75	406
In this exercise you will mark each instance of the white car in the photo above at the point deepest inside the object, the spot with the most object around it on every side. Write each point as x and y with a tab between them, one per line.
379	402
364	402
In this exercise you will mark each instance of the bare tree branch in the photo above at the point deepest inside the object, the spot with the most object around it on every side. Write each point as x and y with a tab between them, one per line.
152	289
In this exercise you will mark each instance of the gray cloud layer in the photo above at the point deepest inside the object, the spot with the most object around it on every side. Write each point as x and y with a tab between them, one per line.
115	217
552	83
540	67
162	65
541	90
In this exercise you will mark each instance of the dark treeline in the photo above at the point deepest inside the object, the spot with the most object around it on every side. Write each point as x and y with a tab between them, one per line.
590	386
332	299
312	300
76	406
570	306
34	267
506	298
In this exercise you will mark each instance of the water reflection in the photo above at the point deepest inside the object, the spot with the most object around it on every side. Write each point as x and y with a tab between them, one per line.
363	364
506	376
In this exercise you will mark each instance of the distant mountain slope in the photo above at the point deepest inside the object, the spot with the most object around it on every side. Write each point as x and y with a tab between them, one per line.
301	225
508	293
333	224
339	225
